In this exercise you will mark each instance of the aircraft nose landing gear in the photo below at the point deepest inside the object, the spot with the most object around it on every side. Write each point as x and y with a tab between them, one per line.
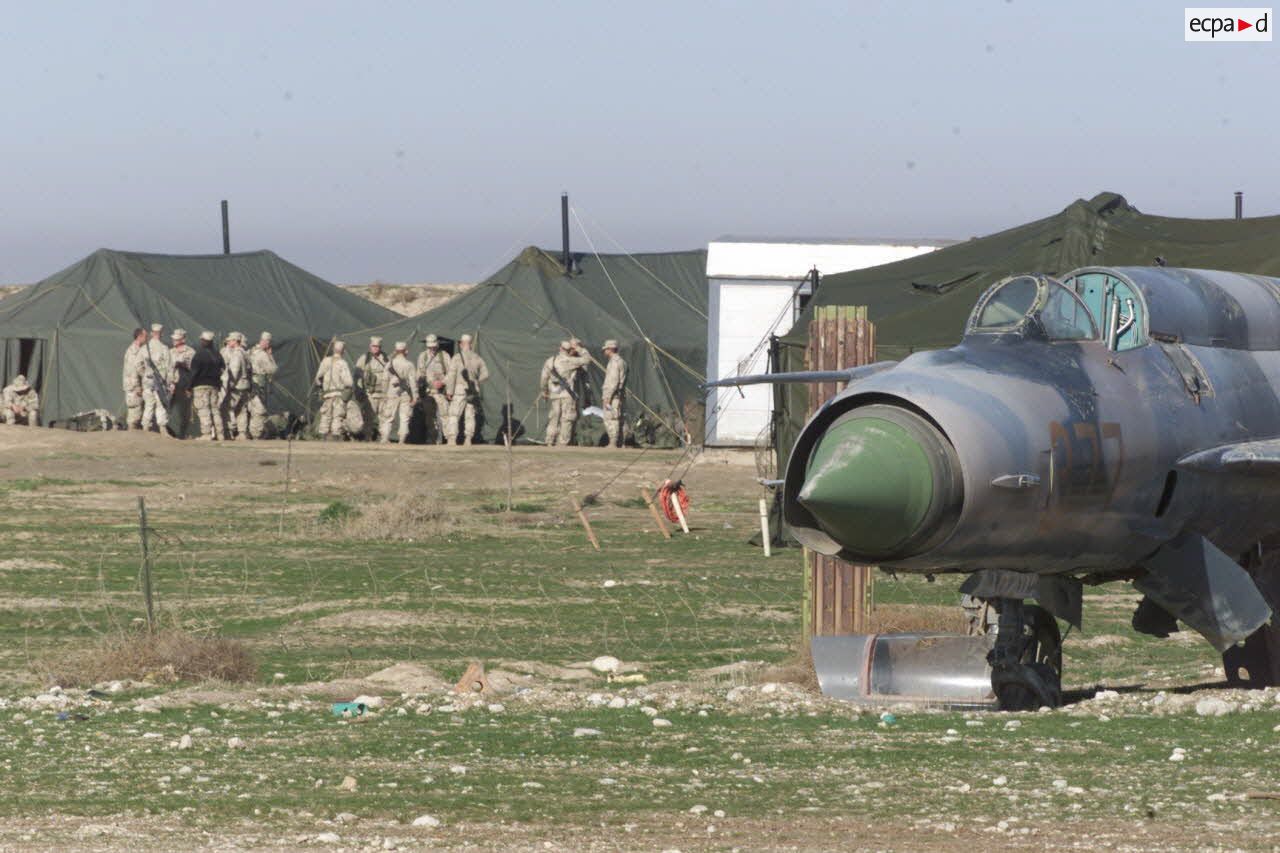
1026	661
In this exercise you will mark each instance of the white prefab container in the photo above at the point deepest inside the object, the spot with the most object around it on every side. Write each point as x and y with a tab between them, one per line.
756	289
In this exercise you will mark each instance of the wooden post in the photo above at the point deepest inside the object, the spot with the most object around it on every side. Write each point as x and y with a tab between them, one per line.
837	595
146	564
586	525
764	528
675	505
653	510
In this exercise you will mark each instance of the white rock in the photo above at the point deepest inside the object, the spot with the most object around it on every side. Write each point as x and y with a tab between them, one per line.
1105	696
649	711
1013	724
585	732
369	701
719	812
617	702
235	743
1059	783
698	809
348	783
769	687
1212	706
661	723
427	820
606	664
496	707
345	817
609	584
328	838
184	742
1000	781
184	770
458	769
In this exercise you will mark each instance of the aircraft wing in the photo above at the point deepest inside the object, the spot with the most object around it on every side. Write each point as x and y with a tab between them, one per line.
1260	458
851	374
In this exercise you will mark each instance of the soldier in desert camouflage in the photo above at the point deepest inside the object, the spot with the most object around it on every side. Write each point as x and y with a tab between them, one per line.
262	363
153	364
433	369
401	394
19	403
180	356
132	380
336	383
558	384
371	380
614	394
236	387
467	371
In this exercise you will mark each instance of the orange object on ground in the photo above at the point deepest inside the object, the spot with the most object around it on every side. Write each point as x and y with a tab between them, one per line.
668	489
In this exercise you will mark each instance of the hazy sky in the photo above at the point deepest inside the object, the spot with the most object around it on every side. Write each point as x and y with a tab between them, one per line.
426	141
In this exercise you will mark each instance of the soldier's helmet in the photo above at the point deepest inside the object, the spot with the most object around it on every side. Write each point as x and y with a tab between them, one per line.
20	382
431	341
465	339
339	346
401	346
375	341
178	334
207	335
610	345
264	338
157	327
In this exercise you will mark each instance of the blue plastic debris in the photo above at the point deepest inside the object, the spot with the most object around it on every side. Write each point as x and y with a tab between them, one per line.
349	709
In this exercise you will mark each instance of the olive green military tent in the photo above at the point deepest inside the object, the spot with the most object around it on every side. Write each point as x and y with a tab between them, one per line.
654	305
69	332
924	301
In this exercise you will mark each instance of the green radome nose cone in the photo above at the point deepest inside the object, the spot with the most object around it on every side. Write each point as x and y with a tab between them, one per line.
869	484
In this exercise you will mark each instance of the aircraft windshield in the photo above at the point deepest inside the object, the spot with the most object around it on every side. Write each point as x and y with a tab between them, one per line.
1061	313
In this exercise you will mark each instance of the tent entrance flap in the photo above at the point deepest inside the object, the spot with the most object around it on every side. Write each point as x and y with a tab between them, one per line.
25	356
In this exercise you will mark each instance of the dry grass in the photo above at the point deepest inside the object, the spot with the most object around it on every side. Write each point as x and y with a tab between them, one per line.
796	669
898	618
414	516
170	654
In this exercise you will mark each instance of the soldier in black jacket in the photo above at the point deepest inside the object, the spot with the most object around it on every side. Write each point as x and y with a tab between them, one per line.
205	378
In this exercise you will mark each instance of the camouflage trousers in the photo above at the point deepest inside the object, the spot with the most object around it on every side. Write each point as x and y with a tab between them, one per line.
394	407
333	414
441	415
257	416
205	400
613	422
30	417
564	411
133	407
180	413
373	416
235	413
153	409
462	412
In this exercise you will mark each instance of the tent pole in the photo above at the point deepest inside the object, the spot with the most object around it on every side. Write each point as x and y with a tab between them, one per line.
564	232
226	229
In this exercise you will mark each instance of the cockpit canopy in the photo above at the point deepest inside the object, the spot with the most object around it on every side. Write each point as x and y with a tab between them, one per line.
1085	306
1033	305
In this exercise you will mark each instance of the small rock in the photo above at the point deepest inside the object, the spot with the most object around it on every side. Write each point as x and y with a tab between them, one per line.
184	742
427	820
1212	706
606	664
769	687
328	838
235	743
345	817
369	701
698	809
617	702
348	783
719	812
496	707
458	769
609	584
661	723
1000	781
585	732
1013	724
